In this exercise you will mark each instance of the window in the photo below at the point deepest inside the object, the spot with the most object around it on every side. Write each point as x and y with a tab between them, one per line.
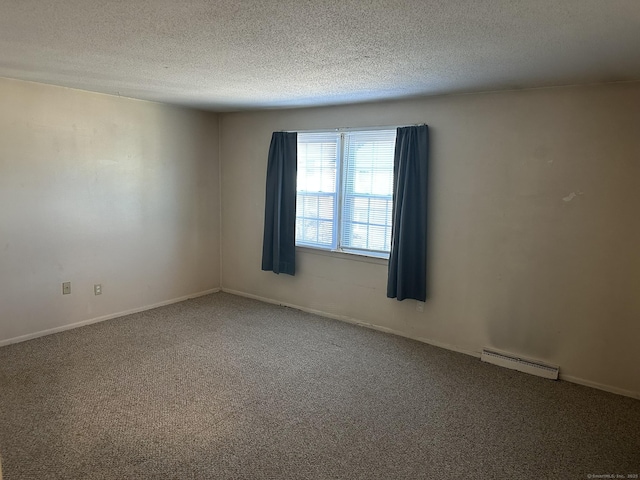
345	191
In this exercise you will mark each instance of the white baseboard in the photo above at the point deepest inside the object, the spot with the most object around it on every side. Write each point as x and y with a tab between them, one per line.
600	386
42	333
343	318
354	321
567	378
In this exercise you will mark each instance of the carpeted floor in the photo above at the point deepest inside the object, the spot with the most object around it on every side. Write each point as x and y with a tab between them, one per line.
223	387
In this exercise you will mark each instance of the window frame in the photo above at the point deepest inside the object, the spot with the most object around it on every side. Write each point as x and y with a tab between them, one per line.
340	195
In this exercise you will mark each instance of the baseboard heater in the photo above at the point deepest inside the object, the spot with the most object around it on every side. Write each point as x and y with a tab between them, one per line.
521	364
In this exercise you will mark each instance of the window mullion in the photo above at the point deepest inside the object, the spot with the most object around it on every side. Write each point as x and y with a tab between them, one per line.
340	182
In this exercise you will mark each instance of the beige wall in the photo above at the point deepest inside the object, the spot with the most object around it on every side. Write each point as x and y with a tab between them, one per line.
533	245
534	232
100	189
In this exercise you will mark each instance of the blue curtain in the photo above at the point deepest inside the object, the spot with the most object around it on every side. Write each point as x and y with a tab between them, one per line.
279	242
408	257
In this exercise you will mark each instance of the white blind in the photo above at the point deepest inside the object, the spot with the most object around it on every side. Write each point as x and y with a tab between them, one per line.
316	202
368	190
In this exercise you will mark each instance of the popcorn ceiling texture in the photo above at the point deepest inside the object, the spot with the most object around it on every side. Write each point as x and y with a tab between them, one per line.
222	387
229	54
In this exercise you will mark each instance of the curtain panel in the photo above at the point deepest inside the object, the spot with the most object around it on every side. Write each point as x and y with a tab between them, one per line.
279	242
408	256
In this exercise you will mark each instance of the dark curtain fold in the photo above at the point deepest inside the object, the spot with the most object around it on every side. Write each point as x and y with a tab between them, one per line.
279	243
408	257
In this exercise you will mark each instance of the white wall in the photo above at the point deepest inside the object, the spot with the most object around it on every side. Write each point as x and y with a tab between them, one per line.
534	231
101	189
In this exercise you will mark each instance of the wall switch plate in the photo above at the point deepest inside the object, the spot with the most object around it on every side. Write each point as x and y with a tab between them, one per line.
97	289
66	288
419	306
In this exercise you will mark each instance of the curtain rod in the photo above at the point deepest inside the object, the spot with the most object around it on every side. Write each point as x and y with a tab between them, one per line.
359	129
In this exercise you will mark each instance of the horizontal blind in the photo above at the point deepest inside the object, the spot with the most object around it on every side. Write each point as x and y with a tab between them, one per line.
368	190
316	202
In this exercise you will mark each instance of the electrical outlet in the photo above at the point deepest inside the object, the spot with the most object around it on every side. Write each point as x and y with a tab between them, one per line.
419	306
66	288
97	289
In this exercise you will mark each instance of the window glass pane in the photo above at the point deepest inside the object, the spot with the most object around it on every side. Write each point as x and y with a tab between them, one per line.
317	195
358	235
317	157
378	211
325	232
310	230
299	230
382	182
376	238
326	207
310	206
357	209
368	190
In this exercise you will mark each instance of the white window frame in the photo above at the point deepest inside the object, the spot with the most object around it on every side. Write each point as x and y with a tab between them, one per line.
340	194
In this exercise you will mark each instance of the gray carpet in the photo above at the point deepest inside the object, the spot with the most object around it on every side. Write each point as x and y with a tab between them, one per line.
223	387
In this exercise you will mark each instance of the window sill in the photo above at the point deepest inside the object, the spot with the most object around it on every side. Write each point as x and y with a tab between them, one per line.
358	257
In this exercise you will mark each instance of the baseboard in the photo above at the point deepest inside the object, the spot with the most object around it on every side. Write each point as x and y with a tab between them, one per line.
343	318
42	333
353	321
600	386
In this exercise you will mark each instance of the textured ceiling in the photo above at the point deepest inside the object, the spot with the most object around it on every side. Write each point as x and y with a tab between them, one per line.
229	55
